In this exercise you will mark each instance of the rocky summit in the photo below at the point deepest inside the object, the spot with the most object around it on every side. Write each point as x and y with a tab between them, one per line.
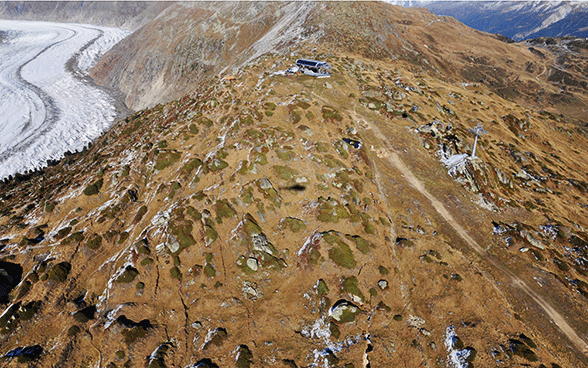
272	219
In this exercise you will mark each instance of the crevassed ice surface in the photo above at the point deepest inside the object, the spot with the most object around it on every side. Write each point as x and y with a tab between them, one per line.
47	107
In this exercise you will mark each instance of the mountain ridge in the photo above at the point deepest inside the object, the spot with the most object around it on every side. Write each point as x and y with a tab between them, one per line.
236	225
518	20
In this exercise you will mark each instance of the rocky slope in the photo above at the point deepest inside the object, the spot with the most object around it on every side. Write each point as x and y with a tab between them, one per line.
519	20
191	41
126	14
243	225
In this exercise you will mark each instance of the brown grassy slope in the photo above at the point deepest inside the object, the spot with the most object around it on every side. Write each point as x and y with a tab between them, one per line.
266	130
199	179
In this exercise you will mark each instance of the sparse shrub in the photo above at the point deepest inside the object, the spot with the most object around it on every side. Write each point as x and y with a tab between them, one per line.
351	285
128	275
140	213
209	270
322	288
59	272
284	172
334	330
330	113
73	330
295	225
76	237
244	357
63	232
175	273
94	188
166	159
50	206
223	209
342	255
132	334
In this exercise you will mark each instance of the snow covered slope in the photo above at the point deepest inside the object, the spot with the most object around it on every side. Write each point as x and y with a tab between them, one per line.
518	20
47	104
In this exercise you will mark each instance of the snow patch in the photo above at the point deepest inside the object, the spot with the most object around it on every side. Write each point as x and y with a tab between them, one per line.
456	358
454	162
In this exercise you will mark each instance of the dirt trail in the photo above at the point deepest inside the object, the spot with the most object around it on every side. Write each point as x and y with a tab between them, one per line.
557	318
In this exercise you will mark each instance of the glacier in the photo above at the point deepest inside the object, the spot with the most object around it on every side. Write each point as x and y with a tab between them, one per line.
48	103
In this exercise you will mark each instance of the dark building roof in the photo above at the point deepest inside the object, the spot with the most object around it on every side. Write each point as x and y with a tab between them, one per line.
312	63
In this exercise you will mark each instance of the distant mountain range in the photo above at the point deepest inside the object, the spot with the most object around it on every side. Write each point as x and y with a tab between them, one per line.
518	20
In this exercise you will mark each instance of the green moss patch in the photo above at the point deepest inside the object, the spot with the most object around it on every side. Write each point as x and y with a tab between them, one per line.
128	275
322	288
330	114
217	164
269	192
175	273
181	228
223	209
284	172
191	165
209	270
330	210
293	224
210	234
63	232
285	155
310	254
76	237
140	213
73	330
244	357
94	188
193	129
344	311
342	148
340	253
166	159
332	163
519	348
362	245
350	285
132	334
59	272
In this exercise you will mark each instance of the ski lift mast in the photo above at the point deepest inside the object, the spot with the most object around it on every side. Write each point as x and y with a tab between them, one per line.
477	130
